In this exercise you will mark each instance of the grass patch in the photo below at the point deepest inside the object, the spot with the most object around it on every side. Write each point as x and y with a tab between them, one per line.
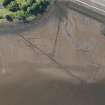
22	10
4	12
1	1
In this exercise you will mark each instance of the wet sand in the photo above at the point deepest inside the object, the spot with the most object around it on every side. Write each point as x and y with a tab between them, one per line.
58	61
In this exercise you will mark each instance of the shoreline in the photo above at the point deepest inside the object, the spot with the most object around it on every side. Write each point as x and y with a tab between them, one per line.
13	27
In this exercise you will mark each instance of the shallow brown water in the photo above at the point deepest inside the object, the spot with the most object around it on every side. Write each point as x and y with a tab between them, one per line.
58	61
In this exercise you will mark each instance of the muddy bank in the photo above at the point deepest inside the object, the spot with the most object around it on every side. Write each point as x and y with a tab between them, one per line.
59	61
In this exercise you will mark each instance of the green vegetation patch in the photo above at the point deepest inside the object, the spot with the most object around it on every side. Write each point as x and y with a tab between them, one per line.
22	10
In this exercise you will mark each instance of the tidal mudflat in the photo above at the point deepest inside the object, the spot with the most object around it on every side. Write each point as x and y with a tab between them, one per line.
59	60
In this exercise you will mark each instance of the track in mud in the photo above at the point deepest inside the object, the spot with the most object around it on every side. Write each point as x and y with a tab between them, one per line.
61	14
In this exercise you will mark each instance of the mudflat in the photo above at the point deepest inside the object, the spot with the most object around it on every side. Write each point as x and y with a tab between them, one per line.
59	60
